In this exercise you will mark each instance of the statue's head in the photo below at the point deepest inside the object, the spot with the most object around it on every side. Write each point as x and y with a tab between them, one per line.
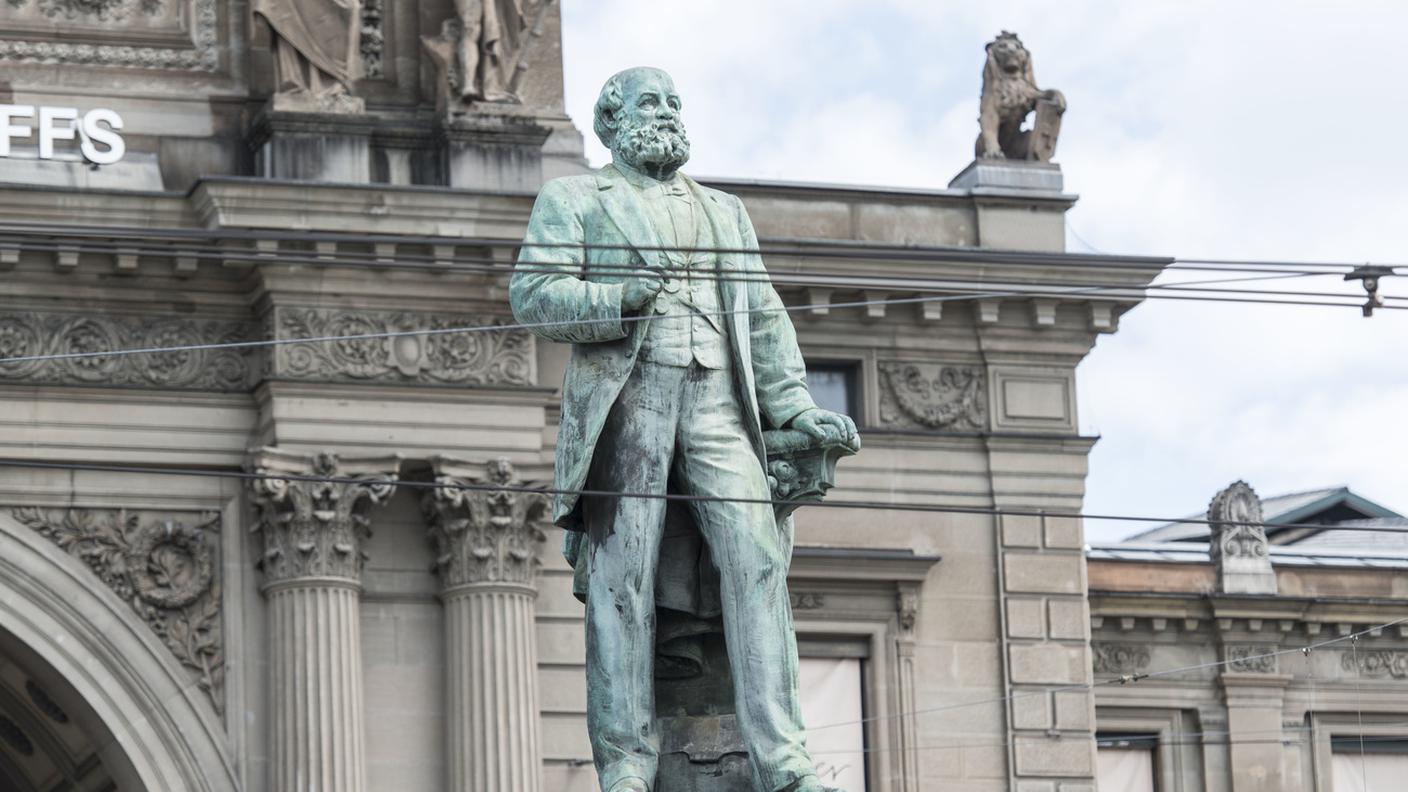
638	118
1008	54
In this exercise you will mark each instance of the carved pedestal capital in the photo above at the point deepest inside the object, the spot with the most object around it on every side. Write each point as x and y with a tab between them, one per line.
485	524
314	521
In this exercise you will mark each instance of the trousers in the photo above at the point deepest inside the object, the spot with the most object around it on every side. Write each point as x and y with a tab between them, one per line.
686	425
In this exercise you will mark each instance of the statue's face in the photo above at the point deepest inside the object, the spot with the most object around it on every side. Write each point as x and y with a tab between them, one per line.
650	135
1010	55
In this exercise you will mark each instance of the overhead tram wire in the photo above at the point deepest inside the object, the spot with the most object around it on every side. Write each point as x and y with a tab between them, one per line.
508	326
934	508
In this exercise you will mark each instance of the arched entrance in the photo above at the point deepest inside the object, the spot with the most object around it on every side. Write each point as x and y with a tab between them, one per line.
86	689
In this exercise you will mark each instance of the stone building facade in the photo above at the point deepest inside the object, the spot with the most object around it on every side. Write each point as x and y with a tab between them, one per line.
229	567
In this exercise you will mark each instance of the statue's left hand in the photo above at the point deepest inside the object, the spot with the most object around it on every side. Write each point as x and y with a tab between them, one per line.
827	425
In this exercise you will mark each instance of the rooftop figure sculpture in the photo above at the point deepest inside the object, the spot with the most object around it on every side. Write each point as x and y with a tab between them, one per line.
682	357
1009	94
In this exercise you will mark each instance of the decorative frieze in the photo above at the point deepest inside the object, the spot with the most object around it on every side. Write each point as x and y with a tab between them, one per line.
932	396
1117	658
1376	662
481	533
163	565
807	600
1250	659
363	353
145	23
373	41
315	521
29	334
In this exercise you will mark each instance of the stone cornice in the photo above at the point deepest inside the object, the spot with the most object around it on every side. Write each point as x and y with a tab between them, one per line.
316	529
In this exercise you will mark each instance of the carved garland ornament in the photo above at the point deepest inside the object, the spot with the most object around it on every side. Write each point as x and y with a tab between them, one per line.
373	43
482	534
1251	659
1108	658
933	396
500	357
201	19
35	334
1377	663
164	568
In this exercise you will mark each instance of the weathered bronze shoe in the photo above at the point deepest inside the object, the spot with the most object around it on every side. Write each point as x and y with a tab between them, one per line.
629	785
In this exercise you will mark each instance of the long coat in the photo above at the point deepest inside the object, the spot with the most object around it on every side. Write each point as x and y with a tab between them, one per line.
584	234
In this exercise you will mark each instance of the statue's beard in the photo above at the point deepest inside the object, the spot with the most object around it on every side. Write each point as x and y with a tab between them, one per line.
652	150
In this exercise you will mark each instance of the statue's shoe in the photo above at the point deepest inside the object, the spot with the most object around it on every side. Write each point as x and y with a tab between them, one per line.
810	784
630	785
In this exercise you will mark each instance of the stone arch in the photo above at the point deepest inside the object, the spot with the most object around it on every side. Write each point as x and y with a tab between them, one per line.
164	736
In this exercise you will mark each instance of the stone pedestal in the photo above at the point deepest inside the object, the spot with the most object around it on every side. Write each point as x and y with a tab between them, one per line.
313	532
494	151
1009	175
486	548
309	142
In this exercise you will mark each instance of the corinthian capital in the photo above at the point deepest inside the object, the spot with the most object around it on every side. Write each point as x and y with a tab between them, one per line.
315	521
485	527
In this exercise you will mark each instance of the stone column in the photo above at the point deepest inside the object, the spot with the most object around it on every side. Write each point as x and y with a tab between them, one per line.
486	549
313	528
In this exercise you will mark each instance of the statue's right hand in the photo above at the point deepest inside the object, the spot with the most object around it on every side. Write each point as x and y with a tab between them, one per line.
640	288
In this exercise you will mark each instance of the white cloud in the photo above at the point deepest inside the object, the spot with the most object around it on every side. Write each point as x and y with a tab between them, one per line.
1262	130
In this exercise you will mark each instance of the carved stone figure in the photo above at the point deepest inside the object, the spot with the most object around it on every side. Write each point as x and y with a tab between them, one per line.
674	376
316	48
1009	94
480	52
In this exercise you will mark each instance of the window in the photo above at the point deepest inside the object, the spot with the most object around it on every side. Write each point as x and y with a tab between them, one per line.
831	695
1125	762
835	386
1373	762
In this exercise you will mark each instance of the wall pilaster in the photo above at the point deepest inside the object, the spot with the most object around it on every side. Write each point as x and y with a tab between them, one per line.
486	547
313	526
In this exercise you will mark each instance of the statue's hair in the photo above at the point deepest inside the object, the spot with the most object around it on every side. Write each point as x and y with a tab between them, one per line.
608	103
994	76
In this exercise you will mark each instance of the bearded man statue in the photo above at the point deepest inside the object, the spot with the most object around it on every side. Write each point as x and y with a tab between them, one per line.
682	354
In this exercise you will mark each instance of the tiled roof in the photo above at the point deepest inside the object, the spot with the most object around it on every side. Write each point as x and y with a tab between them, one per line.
1288	508
1294	555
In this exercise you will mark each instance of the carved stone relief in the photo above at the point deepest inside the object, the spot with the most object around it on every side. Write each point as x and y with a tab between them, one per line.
315	521
1254	659
500	357
932	396
1238	546
1376	663
1112	658
482	534
34	334
806	600
177	35
164	566
373	42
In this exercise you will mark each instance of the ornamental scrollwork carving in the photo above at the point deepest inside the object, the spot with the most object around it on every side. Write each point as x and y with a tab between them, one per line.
485	526
807	600
164	566
314	511
365	353
932	396
36	335
42	44
1237	532
1254	659
1113	658
1376	663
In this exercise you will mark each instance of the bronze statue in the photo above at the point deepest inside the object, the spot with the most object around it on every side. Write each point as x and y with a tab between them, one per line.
1009	94
676	401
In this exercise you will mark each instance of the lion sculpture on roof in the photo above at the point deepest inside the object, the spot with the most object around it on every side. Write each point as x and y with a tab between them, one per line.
1009	94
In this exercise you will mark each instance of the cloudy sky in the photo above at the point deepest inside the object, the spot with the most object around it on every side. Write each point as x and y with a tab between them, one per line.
1265	130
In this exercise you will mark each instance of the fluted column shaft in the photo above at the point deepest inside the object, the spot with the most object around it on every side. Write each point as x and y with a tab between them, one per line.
484	524
317	734
492	697
314	525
